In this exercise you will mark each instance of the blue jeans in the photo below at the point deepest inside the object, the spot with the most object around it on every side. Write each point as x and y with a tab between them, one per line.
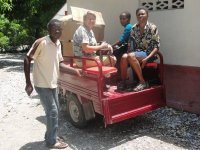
49	100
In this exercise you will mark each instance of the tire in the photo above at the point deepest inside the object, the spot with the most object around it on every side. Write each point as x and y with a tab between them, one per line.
75	112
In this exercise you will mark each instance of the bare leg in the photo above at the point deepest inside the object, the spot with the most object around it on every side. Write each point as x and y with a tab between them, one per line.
136	66
123	66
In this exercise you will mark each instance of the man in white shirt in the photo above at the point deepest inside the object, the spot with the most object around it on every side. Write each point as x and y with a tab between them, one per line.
47	56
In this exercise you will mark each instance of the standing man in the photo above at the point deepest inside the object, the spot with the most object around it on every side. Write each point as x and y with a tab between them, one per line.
47	56
120	46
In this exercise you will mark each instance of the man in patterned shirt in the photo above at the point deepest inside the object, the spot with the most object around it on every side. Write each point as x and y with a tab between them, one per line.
144	42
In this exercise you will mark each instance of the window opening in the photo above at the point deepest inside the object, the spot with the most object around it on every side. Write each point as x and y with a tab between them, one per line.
161	4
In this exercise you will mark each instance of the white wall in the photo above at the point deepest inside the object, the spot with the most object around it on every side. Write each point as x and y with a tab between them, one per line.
178	29
110	10
61	12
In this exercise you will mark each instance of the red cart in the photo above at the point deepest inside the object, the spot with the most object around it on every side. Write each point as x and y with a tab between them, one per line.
85	96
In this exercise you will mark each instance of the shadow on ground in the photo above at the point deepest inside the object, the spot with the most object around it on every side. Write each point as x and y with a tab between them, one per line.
96	137
12	62
41	119
39	145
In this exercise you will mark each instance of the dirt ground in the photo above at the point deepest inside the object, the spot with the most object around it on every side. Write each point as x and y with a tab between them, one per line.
22	122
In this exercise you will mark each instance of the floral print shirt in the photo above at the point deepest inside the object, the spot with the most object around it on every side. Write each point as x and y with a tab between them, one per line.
146	41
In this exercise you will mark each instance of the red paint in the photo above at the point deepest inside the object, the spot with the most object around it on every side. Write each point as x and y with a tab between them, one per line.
183	87
113	105
121	106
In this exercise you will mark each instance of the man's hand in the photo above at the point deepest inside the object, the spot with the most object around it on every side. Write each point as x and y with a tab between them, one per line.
144	62
104	45
79	72
110	48
29	89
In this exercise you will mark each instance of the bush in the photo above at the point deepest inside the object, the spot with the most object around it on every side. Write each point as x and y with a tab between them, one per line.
13	35
4	42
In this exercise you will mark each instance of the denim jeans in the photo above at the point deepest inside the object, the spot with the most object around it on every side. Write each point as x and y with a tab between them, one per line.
49	100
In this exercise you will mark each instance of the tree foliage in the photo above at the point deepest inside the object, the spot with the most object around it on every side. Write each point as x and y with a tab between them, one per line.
23	21
5	5
12	34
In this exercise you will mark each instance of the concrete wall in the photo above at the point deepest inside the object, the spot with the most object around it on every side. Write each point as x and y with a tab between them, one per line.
178	28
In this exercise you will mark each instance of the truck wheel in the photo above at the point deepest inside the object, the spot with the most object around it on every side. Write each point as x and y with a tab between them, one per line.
75	112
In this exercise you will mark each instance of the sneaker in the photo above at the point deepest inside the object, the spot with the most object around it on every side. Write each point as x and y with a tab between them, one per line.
106	87
141	86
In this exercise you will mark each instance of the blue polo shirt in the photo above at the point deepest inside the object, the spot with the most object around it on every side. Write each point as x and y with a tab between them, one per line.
126	34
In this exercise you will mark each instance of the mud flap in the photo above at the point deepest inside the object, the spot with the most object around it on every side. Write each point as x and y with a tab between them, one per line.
88	110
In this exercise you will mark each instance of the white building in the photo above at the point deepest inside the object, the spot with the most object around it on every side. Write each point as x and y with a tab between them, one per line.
62	12
179	29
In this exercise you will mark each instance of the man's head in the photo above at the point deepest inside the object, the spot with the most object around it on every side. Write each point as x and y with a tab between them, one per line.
142	15
89	19
54	29
125	18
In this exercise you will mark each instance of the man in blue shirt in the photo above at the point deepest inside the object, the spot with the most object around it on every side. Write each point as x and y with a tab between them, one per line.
120	46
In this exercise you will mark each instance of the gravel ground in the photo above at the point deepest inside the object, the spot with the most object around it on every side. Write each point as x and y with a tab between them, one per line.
22	122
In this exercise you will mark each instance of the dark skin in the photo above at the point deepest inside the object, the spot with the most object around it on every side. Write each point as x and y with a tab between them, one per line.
142	18
54	33
124	21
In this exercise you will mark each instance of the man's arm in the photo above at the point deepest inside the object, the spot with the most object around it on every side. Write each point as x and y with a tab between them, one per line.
89	49
70	69
116	43
27	64
156	45
153	52
124	37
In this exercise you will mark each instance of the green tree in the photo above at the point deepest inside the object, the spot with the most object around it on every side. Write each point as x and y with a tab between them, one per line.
4	40
23	21
5	5
35	14
12	34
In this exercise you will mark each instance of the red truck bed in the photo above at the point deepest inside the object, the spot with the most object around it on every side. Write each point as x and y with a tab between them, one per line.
113	105
119	106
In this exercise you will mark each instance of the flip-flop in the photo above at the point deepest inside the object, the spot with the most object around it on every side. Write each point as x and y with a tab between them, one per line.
59	145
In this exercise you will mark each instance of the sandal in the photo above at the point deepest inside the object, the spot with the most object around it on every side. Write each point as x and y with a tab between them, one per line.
141	86
59	145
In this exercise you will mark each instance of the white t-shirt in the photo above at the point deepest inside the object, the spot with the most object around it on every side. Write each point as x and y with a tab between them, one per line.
46	63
